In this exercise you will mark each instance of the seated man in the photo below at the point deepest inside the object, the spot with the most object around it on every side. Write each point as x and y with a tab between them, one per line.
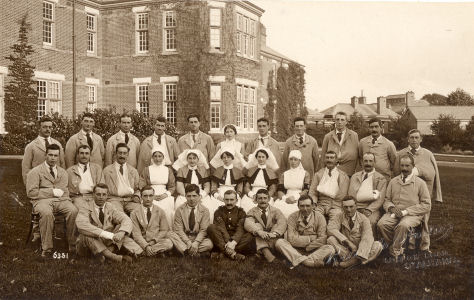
407	201
329	187
191	220
104	229
150	227
122	180
83	176
46	186
351	235
227	233
266	223
306	241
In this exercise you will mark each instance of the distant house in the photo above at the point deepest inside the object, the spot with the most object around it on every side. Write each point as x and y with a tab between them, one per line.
421	118
400	102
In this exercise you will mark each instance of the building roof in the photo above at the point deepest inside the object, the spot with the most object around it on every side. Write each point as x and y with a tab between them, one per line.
366	110
420	102
433	112
265	50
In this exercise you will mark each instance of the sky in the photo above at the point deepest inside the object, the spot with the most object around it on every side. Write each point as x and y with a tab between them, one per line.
382	48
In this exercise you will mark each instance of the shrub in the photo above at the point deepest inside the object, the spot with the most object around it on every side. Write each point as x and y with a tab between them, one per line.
446	149
432	143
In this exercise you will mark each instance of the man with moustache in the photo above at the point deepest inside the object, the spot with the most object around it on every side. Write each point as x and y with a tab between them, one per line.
196	139
123	136
264	140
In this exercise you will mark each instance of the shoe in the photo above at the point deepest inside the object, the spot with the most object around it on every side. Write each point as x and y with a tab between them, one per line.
47	253
127	259
239	257
216	255
205	254
36	238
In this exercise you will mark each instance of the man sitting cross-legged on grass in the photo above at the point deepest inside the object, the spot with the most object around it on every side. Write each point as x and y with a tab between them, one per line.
104	229
227	233
266	223
191	220
350	233
306	241
150	226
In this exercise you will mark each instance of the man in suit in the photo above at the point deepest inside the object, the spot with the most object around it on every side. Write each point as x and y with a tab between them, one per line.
82	177
264	140
190	225
351	235
35	151
104	230
368	187
85	137
227	233
306	144
123	136
150	227
46	186
266	223
196	139
383	149
159	137
306	237
122	180
407	202
344	142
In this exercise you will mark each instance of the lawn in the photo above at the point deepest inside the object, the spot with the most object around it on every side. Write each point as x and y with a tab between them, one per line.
447	274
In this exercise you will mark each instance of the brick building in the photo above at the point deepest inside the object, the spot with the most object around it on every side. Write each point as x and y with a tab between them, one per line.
166	58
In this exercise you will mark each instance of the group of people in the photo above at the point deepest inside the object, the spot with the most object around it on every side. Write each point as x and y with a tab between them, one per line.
128	199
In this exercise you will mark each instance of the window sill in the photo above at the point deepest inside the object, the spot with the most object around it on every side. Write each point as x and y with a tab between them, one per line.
246	57
89	54
145	54
216	51
169	52
50	47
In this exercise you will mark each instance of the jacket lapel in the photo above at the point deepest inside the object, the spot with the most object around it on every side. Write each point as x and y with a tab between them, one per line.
142	217
94	215
334	137
131	180
113	175
48	175
40	144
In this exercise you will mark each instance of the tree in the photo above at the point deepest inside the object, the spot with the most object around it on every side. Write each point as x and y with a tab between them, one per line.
21	97
399	128
358	124
435	99
447	129
460	97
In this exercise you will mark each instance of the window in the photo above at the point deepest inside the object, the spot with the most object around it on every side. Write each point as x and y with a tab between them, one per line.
246	107
2	105
142	99
141	27
48	22
169	31
246	36
91	98
215	30
171	96
91	22
49	97
216	96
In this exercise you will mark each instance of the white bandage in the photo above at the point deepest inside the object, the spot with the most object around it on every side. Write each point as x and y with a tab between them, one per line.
58	193
106	235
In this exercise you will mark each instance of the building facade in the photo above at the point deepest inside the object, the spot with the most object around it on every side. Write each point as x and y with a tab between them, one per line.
422	118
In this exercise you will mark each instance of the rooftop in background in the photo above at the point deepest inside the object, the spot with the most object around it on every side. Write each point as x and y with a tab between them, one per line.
433	112
265	50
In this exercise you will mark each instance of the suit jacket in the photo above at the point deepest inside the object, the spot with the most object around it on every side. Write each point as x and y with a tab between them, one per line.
133	144
385	154
412	196
204	142
309	151
40	183
276	221
231	225
347	151
181	223
35	154
74	177
299	234
111	179
97	153
379	183
361	232
272	144
342	180
144	159
144	232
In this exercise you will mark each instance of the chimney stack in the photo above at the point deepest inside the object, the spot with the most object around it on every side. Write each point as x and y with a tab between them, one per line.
381	104
354	101
362	100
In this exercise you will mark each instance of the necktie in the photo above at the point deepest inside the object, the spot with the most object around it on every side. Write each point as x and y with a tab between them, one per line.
373	141
329	172
89	140
46	142
301	140
413	151
226	174
85	168
339	136
365	176
305	221
262	141
264	217
159	139
403	179
148	215
121	169
192	220
194	138
51	171
101	215
351	223
126	138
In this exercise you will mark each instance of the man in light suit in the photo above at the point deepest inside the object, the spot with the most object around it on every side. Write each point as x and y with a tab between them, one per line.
159	137
85	137
306	144
83	176
196	139
190	225
150	227
123	136
264	140
46	186
266	223
35	151
104	230
344	142
122	180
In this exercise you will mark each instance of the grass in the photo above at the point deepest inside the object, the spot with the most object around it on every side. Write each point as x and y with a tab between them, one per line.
23	275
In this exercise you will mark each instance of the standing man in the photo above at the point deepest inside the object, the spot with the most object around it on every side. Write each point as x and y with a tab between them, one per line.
344	142
196	139
407	202
82	177
384	150
306	144
425	164
264	140
122	180
46	186
158	138
35	151
85	137
123	136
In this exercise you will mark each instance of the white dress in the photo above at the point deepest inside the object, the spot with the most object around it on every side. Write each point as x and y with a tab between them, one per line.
293	181
248	203
180	200
159	180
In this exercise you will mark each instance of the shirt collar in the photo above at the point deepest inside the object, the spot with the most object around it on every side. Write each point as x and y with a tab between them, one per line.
98	207
117	165
261	166
156	135
343	131
48	166
84	133
303	136
416	149
192	168
408	178
264	137
368	173
81	166
145	208
45	138
231	166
